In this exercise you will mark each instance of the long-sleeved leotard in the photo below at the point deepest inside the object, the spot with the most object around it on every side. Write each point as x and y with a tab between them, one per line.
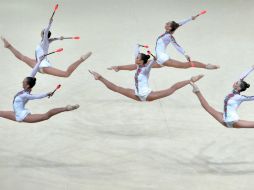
164	40
185	21
43	47
21	98
142	89
19	102
36	67
246	73
233	100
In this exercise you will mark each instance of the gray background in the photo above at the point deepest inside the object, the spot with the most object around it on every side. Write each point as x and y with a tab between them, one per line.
112	142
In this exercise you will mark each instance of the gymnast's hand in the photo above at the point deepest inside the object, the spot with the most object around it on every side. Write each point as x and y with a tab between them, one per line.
50	94
194	17
115	68
188	58
42	57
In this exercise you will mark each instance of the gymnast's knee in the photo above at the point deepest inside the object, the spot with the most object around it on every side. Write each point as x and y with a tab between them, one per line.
47	115
66	74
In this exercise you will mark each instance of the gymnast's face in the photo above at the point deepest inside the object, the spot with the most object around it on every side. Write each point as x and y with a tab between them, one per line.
138	60
237	86
25	84
168	27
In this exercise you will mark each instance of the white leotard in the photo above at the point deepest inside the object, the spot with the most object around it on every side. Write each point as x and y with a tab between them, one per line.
142	89
21	99
233	100
43	47
163	41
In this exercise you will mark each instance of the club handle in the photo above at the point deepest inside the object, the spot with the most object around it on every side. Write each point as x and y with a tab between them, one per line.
56	51
72	38
149	52
144	46
58	87
52	93
56	7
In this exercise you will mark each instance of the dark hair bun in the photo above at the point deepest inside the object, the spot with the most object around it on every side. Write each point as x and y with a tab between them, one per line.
244	85
31	81
144	57
174	26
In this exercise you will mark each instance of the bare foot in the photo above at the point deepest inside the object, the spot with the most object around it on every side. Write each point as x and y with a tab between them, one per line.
84	57
97	76
196	78
211	67
115	68
72	107
6	43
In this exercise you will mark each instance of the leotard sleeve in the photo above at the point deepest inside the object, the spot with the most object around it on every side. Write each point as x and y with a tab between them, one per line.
176	45
35	69
33	96
246	98
246	73
184	21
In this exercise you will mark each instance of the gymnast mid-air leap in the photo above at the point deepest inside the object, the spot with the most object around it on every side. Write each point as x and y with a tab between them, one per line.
162	42
20	113
229	117
142	91
42	49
